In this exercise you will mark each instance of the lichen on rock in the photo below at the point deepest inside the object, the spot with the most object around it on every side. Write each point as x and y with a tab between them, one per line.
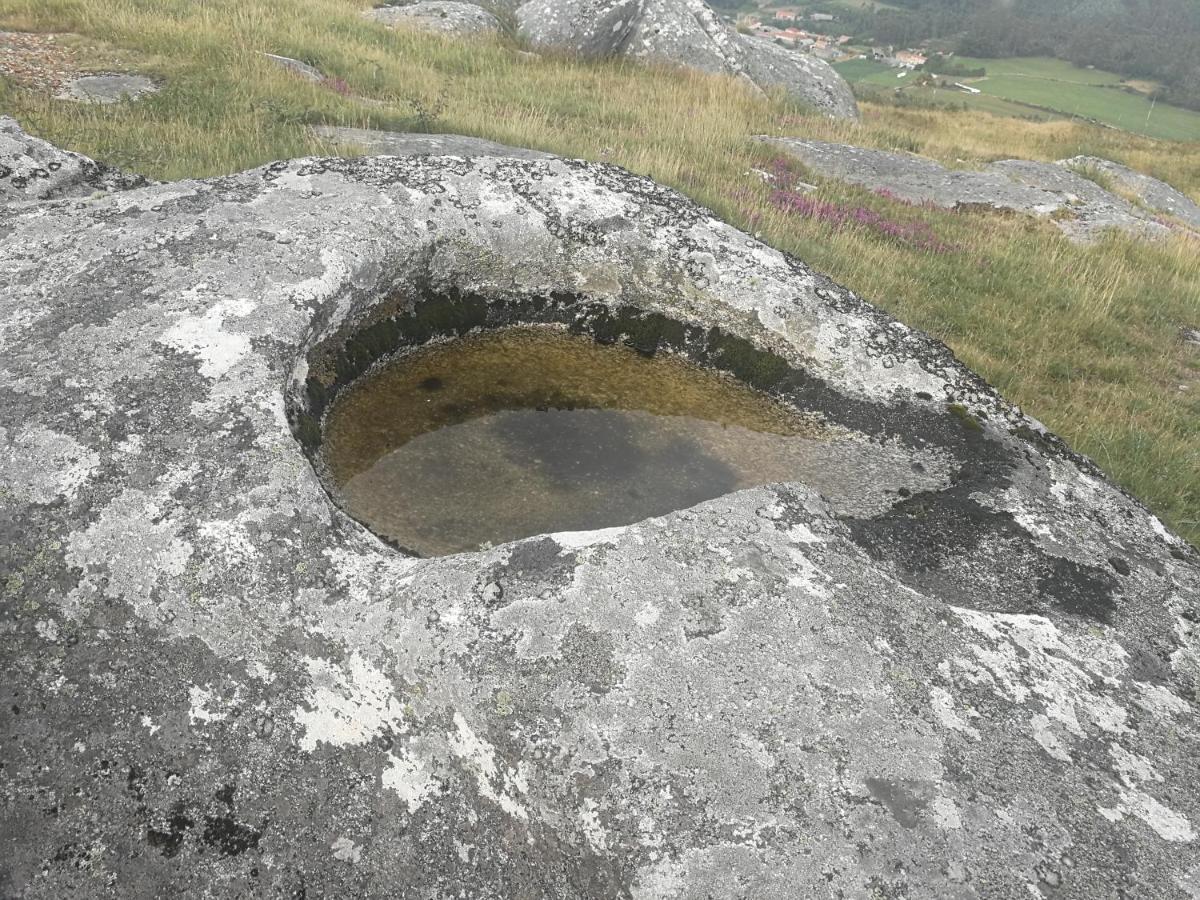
215	677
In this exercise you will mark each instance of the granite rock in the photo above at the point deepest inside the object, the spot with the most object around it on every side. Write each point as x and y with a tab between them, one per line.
1082	209
972	675
1155	194
443	16
32	169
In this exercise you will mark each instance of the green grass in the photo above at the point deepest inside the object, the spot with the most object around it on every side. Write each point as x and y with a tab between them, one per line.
1084	338
1088	93
1041	88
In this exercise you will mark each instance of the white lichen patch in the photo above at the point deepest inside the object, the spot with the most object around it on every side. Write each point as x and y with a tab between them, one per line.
346	850
589	822
411	778
134	519
205	336
480	757
943	709
1027	659
40	466
207	706
345	706
1134	771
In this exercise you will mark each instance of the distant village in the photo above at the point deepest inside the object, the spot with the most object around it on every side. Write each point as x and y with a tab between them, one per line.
827	47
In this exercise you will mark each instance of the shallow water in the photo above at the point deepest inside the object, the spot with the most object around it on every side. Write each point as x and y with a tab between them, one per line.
525	431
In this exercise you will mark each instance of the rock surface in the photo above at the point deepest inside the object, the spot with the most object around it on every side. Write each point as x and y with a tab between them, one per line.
32	169
803	77
1093	209
398	143
443	16
983	686
1081	208
108	88
686	33
589	27
1157	195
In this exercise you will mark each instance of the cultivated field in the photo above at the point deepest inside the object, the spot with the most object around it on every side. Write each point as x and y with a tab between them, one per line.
1087	339
1026	86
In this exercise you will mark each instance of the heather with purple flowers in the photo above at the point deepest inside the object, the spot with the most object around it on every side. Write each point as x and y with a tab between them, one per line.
917	235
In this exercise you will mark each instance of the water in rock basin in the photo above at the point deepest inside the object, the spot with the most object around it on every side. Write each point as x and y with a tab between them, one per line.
523	431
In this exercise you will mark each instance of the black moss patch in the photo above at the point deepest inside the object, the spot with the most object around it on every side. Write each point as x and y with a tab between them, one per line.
169	840
230	837
928	536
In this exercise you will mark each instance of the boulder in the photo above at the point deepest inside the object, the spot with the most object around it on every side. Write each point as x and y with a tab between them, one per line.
1080	208
398	143
969	671
686	33
803	77
1157	195
32	169
589	27
442	16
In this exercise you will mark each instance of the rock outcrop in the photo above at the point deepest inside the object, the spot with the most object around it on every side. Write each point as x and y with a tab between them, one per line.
32	169
105	89
686	33
977	679
1080	208
443	16
803	77
588	27
1156	195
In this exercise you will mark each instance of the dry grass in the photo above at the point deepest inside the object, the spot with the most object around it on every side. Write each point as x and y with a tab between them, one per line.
1084	338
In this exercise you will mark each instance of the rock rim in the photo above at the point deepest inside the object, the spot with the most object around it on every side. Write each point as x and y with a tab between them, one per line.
975	679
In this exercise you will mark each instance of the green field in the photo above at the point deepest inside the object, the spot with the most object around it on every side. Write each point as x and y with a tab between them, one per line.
1050	85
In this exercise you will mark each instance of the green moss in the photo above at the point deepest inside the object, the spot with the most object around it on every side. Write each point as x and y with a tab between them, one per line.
308	431
758	368
964	416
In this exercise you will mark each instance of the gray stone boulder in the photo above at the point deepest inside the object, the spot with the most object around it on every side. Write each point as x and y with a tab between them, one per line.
442	16
32	169
1080	208
803	77
1093	210
588	27
686	33
1156	195
970	673
398	143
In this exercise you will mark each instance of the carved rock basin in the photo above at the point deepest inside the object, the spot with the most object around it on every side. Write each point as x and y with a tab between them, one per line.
978	679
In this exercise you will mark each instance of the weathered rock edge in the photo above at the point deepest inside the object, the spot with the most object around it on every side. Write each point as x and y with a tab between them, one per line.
32	170
219	682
